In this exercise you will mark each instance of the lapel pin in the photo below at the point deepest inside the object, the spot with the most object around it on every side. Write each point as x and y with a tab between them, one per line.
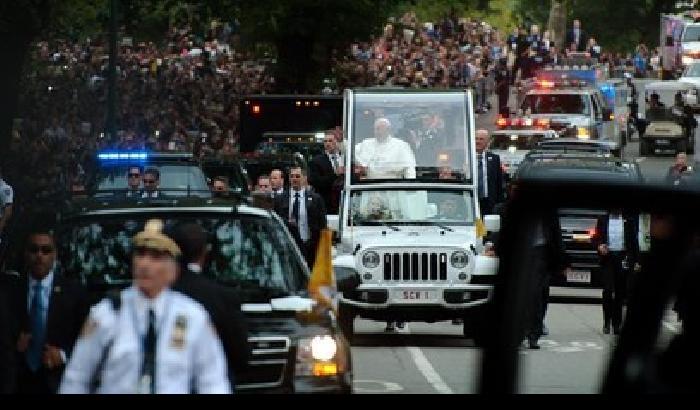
56	289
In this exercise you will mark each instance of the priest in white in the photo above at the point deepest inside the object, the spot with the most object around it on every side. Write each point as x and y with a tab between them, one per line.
385	157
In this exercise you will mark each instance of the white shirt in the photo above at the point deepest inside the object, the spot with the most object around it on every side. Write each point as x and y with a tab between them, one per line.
391	159
195	268
46	286
644	234
303	220
339	161
616	233
6	196
188	350
150	194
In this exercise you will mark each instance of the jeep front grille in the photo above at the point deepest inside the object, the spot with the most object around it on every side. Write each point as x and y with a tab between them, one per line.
415	266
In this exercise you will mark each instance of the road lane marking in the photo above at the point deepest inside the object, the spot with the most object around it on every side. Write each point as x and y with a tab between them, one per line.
385	386
427	369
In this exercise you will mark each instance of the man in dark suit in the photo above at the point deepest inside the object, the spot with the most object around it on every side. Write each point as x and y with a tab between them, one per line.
618	248
50	310
324	171
304	212
489	175
277	182
222	303
133	181
577	36
151	185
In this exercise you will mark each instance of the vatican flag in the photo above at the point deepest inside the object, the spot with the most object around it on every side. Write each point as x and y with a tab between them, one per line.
480	228
322	282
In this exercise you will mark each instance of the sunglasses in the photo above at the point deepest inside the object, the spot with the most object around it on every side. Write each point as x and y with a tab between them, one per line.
134	175
149	181
45	249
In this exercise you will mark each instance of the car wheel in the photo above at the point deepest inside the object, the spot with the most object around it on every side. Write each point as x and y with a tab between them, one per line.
346	320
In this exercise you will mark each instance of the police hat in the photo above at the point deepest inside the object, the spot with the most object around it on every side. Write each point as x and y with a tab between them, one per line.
152	237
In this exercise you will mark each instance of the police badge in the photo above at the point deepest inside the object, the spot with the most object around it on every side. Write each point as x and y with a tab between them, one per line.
178	338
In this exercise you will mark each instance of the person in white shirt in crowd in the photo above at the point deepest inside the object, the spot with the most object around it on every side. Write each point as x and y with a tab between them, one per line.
148	339
384	157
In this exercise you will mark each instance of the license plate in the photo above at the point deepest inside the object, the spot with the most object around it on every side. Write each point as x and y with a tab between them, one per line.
415	295
578	276
663	142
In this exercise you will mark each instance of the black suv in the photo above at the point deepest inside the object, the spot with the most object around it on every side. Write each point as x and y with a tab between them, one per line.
295	348
579	226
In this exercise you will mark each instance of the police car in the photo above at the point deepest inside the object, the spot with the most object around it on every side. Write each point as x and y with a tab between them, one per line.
568	101
296	348
579	226
512	145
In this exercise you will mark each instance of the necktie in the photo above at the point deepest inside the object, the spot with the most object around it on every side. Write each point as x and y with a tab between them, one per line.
36	314
148	368
295	208
480	184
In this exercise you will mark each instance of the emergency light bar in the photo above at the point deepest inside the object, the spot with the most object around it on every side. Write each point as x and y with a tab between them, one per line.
537	123
550	77
122	156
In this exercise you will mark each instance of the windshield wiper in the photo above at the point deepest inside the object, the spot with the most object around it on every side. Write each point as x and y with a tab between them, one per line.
444	227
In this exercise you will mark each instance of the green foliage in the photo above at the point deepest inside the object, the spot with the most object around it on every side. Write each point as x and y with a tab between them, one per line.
498	13
307	33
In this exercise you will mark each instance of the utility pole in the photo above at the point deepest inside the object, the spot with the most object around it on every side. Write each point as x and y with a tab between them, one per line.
112	75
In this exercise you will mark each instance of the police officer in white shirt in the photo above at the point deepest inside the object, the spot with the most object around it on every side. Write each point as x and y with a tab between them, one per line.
6	199
154	340
385	157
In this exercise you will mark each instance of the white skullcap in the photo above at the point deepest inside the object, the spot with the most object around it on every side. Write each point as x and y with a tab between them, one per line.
384	120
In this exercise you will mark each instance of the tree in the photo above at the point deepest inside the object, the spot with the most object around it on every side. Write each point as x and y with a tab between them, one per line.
306	33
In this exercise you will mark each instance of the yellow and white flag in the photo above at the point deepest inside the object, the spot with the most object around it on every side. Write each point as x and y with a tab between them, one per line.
322	287
480	228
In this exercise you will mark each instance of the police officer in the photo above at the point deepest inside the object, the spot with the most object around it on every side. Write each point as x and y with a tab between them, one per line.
149	338
502	86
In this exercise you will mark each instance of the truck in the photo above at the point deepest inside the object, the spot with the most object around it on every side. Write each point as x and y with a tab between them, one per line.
679	41
409	218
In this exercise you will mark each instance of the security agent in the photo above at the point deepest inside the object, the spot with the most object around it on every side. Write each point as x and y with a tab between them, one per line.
6	199
134	176
489	174
222	303
149	338
151	184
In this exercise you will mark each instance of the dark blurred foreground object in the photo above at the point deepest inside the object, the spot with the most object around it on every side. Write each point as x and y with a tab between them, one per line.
668	272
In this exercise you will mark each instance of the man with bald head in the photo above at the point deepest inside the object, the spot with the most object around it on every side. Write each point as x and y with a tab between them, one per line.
489	174
385	157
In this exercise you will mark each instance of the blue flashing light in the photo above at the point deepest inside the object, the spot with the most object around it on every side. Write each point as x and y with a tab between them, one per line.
123	156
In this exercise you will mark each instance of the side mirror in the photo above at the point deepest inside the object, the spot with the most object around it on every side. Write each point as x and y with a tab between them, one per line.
492	223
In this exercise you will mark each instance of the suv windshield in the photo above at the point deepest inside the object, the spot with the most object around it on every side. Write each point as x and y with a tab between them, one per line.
250	253
175	179
376	207
556	104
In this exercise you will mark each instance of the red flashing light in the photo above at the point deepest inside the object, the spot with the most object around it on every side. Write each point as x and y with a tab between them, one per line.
592	232
502	122
546	84
542	123
256	109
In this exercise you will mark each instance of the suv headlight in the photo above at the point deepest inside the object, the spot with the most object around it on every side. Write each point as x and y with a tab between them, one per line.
317	356
459	259
370	259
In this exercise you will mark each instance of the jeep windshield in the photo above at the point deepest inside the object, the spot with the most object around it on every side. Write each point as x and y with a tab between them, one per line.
409	136
692	33
176	180
556	104
252	254
421	206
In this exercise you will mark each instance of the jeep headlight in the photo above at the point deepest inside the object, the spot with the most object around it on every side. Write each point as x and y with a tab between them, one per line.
686	60
370	259
316	356
459	259
583	133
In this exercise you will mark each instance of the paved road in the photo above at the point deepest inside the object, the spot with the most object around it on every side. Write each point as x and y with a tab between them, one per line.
435	358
